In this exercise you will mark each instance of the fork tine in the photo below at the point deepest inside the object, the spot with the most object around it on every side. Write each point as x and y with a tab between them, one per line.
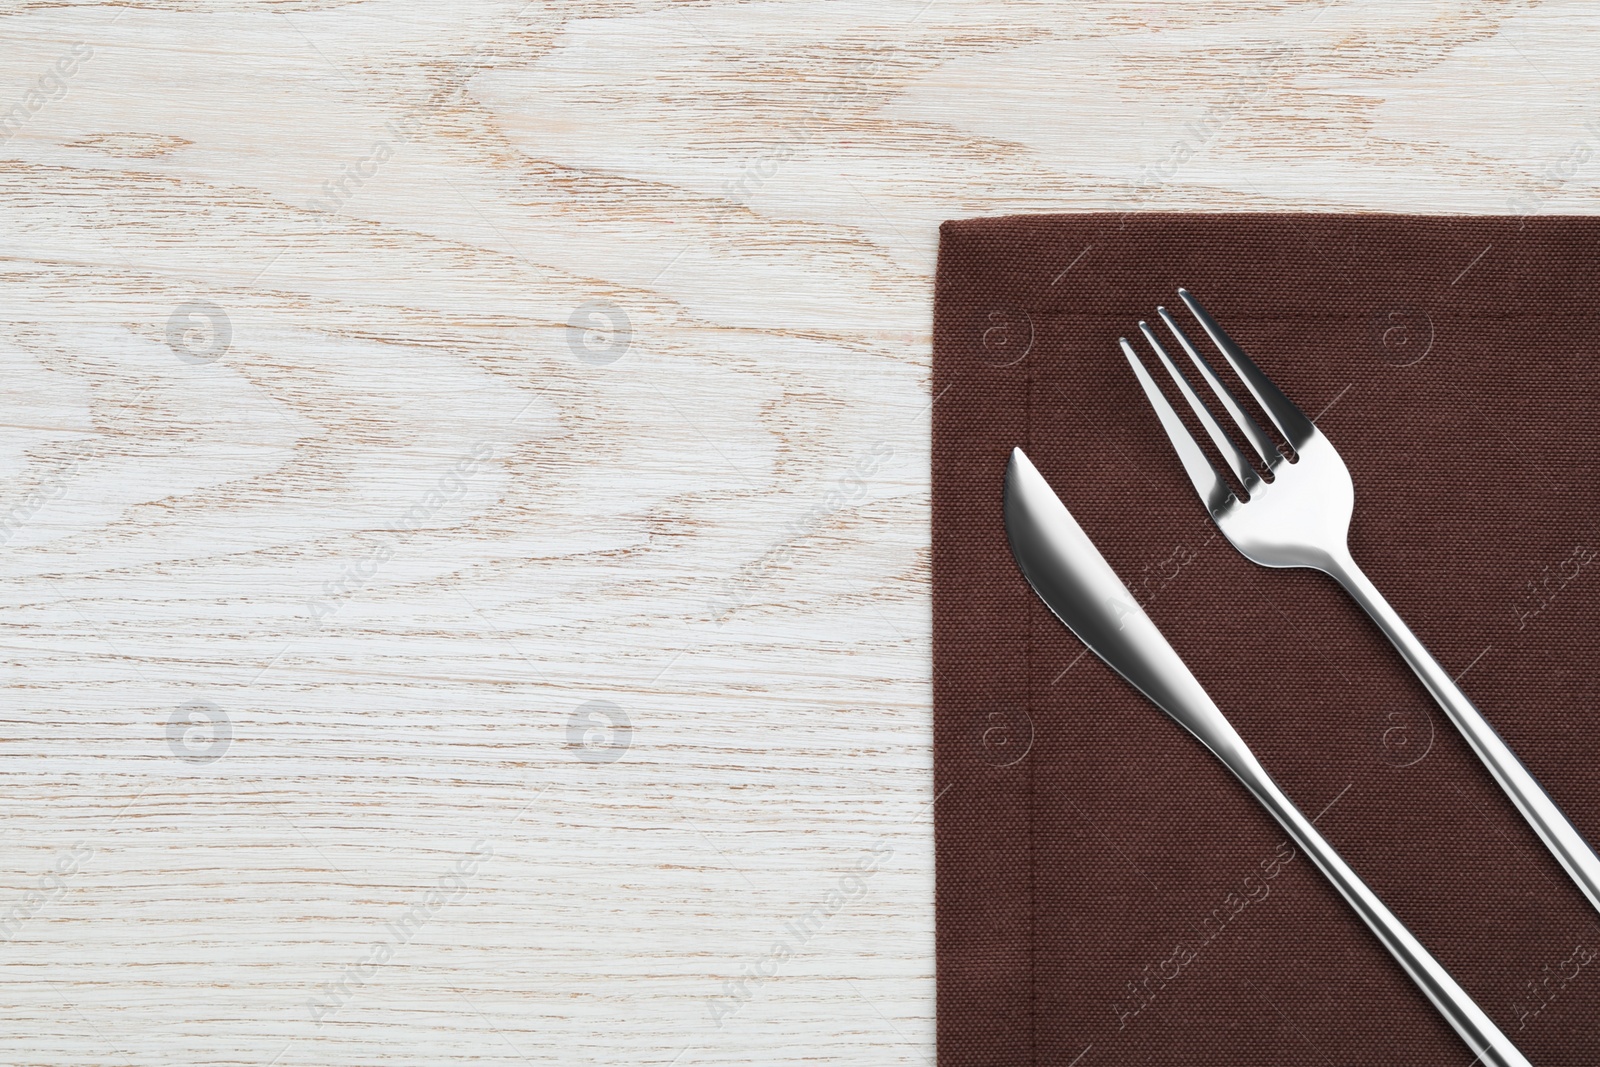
1207	482
1258	437
1236	459
1290	420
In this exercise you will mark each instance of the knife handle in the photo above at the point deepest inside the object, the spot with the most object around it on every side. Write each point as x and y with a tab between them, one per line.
1547	820
1459	1009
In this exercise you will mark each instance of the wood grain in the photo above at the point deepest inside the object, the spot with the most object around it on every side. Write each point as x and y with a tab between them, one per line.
400	398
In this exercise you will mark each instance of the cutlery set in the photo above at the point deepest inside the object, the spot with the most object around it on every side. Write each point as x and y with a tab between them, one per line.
1287	505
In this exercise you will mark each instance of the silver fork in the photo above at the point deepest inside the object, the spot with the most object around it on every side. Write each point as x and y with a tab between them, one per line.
1301	518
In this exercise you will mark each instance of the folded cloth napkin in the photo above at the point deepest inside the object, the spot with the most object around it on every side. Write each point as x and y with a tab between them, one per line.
1107	892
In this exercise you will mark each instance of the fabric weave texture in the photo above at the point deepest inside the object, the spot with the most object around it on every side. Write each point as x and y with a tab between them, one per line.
1106	892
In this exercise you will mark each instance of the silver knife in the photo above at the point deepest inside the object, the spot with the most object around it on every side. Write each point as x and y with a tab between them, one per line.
1079	586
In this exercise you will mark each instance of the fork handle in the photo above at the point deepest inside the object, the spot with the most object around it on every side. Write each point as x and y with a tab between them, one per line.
1537	808
1453	1002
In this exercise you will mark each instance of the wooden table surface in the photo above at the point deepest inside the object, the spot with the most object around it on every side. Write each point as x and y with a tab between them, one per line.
465	498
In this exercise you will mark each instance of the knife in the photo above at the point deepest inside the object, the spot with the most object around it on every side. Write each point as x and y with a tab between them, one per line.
1079	586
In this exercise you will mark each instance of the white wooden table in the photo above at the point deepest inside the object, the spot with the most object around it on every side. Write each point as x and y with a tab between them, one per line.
465	480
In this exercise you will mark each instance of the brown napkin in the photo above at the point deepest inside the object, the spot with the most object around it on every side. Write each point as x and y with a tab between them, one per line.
1107	893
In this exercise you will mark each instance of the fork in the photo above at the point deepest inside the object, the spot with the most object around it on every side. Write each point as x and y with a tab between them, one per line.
1301	518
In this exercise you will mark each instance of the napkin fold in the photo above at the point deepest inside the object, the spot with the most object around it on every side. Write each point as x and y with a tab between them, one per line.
1106	892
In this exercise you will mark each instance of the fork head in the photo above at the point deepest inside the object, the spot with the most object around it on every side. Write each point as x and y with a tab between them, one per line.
1295	512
